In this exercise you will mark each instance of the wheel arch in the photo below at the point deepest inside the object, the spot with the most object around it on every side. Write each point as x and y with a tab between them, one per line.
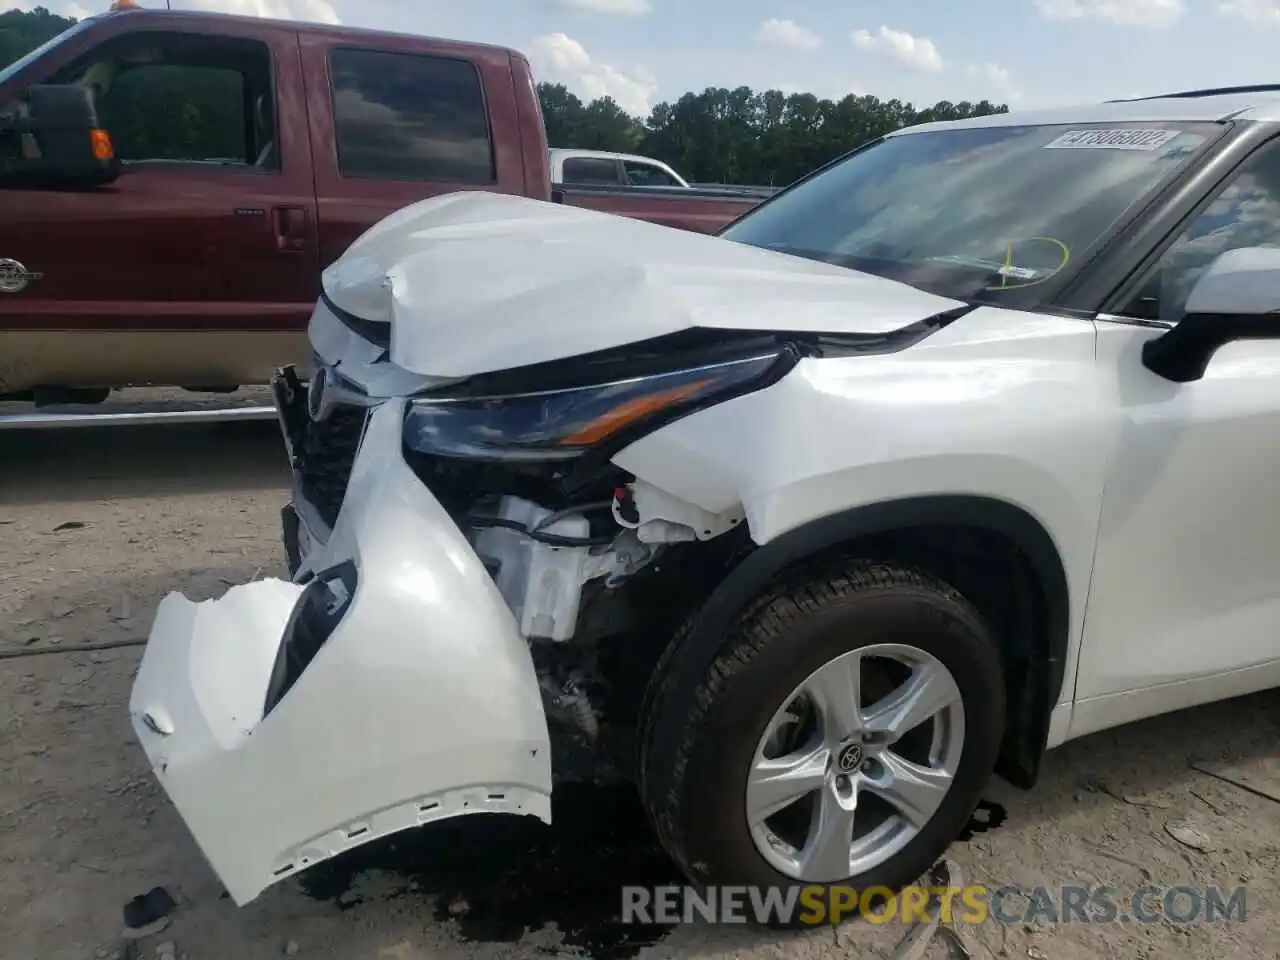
951	536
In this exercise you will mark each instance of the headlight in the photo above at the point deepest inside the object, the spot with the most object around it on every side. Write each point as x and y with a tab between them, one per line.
561	424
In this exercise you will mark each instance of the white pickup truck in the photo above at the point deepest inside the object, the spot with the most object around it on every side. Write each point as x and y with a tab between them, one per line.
962	447
602	169
583	170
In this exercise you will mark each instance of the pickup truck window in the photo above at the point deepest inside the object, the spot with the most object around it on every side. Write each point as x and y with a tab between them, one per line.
647	175
404	116
185	98
591	170
981	214
1246	213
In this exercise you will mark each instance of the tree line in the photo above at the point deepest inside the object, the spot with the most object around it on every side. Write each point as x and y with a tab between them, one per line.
737	136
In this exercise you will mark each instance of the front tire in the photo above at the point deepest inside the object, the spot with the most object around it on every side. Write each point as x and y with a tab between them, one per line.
842	734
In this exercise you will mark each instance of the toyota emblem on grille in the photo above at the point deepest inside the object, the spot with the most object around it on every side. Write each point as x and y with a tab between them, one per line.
14	277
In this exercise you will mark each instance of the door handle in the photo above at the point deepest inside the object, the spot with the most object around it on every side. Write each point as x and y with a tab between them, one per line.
292	228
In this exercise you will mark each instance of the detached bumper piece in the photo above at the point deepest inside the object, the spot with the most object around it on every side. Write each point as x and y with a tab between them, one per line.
289	723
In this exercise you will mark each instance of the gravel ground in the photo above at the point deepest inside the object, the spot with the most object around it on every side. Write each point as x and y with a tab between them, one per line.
147	399
97	525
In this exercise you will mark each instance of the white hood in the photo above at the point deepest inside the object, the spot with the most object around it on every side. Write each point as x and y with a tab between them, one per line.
474	282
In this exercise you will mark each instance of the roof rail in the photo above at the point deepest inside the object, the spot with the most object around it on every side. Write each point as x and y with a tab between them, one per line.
1211	92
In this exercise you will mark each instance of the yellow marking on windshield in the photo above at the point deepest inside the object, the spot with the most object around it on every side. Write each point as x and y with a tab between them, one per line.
1006	270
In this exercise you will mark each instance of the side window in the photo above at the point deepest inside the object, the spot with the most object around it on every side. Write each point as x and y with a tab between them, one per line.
595	171
1245	214
409	117
647	175
186	98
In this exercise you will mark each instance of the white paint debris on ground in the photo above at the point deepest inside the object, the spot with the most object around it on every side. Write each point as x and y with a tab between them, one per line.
96	527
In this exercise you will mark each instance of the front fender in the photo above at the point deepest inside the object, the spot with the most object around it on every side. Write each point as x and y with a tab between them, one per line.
998	415
420	704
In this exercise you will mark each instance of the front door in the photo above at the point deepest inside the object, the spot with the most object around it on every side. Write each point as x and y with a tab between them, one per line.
1185	599
199	264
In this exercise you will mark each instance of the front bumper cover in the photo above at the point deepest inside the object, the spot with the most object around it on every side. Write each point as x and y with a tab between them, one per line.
422	704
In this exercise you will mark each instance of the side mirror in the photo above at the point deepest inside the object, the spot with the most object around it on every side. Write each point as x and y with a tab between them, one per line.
1236	298
60	142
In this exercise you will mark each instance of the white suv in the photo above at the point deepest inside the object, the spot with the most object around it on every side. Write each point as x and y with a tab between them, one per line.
962	447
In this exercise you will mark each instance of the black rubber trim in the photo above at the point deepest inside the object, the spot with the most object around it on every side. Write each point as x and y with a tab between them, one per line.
309	627
683	350
838	345
1210	92
289	530
379	334
793	348
654	356
749	579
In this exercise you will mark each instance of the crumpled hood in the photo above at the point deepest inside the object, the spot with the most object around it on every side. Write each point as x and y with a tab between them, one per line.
474	282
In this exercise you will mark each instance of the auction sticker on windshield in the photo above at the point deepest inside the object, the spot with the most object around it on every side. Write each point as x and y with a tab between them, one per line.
1143	139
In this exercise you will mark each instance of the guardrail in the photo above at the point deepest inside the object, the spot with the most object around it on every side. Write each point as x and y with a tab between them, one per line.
47	421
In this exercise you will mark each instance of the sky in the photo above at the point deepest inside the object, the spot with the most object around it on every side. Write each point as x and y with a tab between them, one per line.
1026	53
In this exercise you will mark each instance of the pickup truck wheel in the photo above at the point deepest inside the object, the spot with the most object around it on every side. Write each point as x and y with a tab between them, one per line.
841	735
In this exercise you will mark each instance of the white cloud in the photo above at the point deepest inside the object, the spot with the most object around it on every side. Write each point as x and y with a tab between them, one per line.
561	59
988	71
788	34
315	11
1126	13
1263	12
992	73
994	80
615	8
836	89
919	53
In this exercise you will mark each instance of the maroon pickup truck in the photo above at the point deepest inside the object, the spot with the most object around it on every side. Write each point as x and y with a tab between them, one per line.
230	161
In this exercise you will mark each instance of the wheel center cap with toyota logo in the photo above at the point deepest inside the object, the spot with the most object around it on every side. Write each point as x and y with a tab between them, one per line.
850	758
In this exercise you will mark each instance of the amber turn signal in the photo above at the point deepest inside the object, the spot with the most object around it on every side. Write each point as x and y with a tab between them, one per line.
631	411
102	147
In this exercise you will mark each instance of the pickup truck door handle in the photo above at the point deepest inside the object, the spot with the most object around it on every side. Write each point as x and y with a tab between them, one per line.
291	228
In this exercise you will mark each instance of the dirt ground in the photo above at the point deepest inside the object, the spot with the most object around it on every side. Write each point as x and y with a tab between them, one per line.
97	525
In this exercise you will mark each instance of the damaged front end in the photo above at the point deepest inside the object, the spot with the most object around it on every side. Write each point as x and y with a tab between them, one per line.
458	562
289	722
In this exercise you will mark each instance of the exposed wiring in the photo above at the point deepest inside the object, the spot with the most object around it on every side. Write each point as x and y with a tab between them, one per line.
553	539
571	511
70	648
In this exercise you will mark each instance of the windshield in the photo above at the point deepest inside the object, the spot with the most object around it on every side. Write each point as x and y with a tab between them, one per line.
977	214
12	69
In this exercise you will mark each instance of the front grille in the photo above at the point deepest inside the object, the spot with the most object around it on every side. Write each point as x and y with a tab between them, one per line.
325	455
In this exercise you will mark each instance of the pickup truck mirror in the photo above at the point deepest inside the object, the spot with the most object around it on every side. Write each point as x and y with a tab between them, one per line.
56	140
1236	298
